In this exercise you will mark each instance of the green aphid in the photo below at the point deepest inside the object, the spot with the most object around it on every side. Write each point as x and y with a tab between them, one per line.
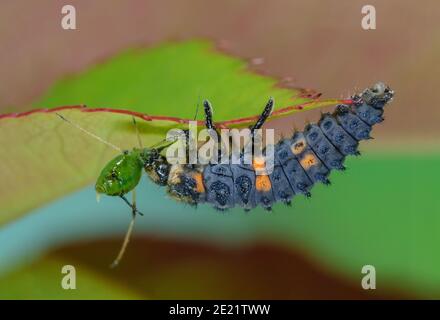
122	174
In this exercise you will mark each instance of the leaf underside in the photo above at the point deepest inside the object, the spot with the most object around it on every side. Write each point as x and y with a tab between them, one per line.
45	158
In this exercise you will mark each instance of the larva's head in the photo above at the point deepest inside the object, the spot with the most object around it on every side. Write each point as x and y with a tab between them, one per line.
149	156
120	175
378	95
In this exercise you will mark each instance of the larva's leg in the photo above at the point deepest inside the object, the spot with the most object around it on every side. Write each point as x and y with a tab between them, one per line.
208	120
208	115
263	117
210	125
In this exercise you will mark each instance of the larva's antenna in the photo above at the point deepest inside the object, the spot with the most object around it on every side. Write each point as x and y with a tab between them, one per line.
88	132
127	237
137	133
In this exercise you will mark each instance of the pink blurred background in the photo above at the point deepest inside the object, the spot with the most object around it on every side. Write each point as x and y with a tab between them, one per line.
319	44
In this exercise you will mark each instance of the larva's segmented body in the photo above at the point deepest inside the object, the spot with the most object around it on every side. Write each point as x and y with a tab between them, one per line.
300	161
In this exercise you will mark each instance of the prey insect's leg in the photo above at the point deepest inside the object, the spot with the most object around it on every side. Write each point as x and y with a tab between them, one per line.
263	117
118	258
132	206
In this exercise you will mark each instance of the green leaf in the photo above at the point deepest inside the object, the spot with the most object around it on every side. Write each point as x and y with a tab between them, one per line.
169	80
44	158
43	281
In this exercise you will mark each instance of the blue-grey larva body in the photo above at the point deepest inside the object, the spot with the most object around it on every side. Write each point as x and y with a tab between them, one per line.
300	161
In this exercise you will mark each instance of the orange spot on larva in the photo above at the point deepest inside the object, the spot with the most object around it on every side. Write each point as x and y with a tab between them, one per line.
308	160
259	165
262	183
298	147
200	188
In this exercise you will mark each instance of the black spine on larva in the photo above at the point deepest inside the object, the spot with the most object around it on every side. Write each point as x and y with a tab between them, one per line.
365	112
185	189
313	166
265	198
244	185
219	186
340	138
351	123
296	176
324	149
298	179
282	190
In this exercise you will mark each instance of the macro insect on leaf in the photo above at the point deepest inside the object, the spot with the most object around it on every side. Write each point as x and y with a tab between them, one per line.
300	161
